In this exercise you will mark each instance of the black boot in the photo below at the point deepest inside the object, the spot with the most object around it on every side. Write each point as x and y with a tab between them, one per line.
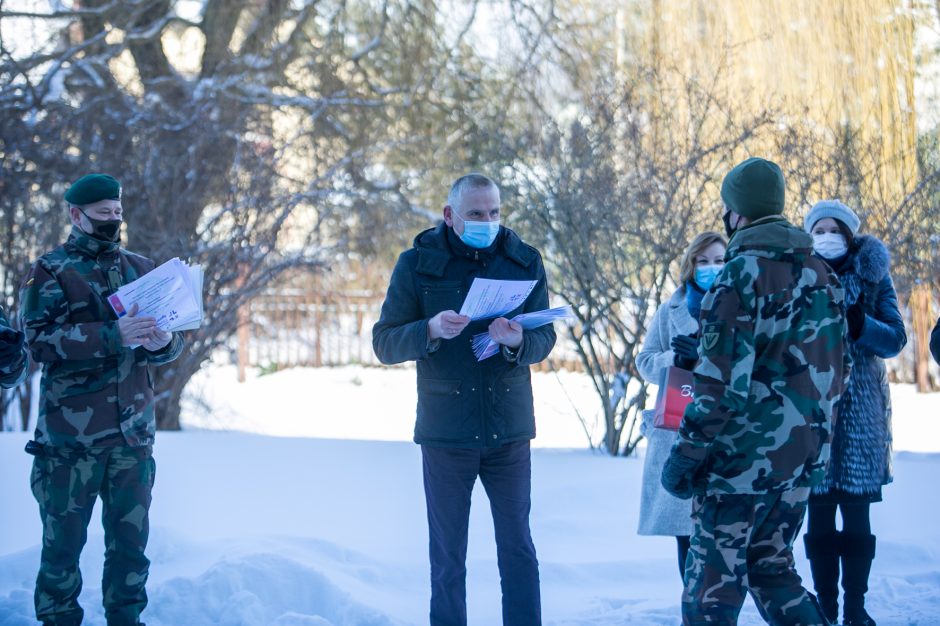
823	550
858	551
822	614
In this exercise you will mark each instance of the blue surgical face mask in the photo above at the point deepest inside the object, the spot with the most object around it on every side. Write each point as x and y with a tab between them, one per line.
705	275
479	234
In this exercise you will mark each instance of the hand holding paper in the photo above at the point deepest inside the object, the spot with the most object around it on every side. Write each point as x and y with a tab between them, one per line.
446	325
156	340
166	299
134	328
506	332
484	345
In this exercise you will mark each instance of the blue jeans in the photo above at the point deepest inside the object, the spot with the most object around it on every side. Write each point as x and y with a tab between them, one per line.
506	473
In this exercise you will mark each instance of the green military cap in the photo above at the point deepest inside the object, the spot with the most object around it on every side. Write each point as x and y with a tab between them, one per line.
92	188
754	188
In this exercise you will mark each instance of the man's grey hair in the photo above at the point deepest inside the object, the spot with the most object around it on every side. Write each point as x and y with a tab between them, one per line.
466	183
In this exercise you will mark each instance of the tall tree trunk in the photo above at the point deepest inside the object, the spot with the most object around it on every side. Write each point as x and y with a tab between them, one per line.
922	323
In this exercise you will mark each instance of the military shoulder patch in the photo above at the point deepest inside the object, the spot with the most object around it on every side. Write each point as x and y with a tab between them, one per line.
710	334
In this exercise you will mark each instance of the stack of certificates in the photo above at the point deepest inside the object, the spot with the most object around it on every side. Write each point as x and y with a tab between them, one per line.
484	347
489	298
171	293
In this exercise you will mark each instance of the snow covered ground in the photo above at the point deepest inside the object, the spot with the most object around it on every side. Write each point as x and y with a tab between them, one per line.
312	513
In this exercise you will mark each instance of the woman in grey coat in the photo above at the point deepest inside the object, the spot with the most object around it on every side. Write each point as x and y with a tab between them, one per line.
672	339
860	462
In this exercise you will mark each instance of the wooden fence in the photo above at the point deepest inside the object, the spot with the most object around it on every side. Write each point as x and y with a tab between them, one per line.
301	327
295	328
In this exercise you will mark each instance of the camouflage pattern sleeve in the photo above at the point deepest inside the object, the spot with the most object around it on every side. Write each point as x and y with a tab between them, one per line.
722	376
838	299
13	372
772	364
167	353
44	312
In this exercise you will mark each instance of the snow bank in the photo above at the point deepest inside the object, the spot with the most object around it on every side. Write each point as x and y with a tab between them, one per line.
252	530
356	402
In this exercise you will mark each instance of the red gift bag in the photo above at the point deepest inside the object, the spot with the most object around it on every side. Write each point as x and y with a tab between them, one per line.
675	393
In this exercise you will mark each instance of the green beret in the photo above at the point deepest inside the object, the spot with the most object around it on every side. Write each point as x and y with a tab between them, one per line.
754	189
93	188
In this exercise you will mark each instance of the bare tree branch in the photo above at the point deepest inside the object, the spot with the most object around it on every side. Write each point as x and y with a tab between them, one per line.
220	17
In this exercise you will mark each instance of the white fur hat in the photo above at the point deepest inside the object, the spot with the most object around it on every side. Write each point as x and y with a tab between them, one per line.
834	209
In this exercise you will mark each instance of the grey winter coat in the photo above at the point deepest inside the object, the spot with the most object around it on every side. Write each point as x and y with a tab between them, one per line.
462	402
860	462
661	513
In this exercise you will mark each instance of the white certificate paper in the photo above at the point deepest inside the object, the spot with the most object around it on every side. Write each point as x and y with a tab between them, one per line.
171	293
484	347
493	298
196	280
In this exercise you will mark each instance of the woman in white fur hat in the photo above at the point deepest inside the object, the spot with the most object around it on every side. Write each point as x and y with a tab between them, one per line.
860	463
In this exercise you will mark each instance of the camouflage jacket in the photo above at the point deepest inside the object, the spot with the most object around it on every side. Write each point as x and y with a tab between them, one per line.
14	372
773	364
94	391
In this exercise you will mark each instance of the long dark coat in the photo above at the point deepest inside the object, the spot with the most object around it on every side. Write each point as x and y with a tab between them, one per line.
860	461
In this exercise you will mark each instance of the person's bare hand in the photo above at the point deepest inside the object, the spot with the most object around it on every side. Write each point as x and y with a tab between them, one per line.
505	332
156	339
134	329
447	325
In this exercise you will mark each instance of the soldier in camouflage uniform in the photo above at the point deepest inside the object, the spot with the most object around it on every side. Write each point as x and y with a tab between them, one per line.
96	422
773	365
14	361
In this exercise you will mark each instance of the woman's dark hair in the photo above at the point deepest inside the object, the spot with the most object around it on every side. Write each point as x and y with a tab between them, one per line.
846	232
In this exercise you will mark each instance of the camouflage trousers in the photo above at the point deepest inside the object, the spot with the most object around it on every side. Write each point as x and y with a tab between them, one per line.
744	543
66	484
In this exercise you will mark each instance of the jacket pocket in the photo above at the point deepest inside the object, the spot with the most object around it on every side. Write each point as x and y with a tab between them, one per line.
513	404
443	411
441	296
38	478
57	483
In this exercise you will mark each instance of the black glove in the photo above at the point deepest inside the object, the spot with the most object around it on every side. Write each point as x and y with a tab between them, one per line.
855	317
11	344
685	348
678	473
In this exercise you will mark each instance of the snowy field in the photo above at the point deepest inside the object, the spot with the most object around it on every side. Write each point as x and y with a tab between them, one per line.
295	499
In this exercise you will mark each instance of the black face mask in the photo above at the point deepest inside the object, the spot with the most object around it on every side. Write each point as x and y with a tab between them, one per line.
106	230
726	218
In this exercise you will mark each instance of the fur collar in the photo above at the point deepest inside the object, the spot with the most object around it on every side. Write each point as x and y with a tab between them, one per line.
870	259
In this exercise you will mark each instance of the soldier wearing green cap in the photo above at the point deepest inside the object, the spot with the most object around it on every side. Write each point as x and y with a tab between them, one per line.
96	424
773	364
